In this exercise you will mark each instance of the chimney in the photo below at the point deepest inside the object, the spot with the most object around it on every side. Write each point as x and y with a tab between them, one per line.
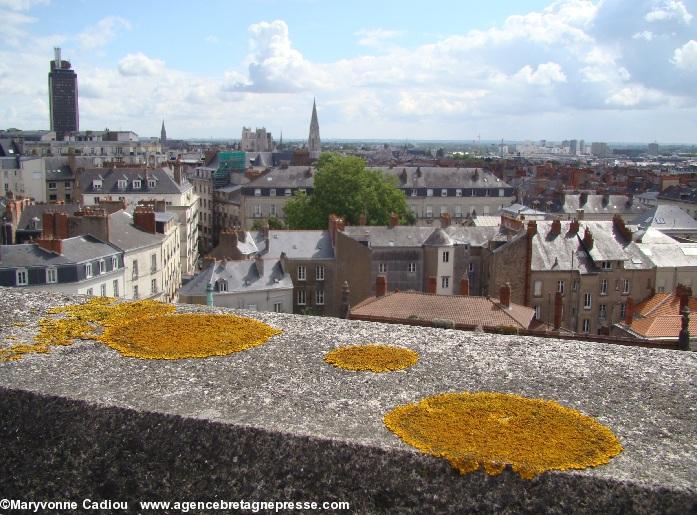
51	245
505	295
345	307
380	286
573	227
532	228
47	224
464	286
582	199
683	293
363	219
340	224
394	220
144	219
556	227
178	173
588	239
557	310
431	285
445	220
629	312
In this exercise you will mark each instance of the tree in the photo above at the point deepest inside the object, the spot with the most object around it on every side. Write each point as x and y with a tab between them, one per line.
273	223
344	187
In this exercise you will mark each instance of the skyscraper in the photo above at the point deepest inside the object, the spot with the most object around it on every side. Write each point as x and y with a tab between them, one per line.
313	142
62	97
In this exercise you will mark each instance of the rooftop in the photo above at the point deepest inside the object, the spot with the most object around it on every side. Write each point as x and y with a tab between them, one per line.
277	422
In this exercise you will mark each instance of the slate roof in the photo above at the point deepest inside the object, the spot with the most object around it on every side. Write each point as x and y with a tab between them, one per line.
75	250
62	173
439	238
594	204
298	244
290	177
670	255
127	237
241	277
679	193
164	182
478	311
436	177
666	218
413	236
37	211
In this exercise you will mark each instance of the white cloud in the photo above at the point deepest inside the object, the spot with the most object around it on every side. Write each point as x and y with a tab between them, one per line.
685	57
666	10
545	74
13	27
635	96
102	32
375	37
140	64
21	5
646	35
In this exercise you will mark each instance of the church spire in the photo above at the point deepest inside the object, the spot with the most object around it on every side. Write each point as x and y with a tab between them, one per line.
163	133
313	142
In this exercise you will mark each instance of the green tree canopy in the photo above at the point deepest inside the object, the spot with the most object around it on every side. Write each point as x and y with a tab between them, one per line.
344	187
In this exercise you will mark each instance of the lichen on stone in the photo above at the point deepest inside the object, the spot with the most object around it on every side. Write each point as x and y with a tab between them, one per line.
154	331
373	358
494	430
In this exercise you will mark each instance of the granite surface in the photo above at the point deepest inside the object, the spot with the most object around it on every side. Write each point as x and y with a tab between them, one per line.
277	422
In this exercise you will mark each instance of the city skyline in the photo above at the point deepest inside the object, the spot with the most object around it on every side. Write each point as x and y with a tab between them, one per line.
573	69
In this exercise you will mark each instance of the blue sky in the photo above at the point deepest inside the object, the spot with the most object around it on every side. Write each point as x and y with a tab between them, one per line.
599	70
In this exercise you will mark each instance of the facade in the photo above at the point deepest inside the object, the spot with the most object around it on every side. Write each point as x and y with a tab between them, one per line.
583	273
314	144
79	265
675	263
256	141
62	97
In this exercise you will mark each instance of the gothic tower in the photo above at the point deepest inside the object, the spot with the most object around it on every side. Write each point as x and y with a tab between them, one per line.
163	134
313	142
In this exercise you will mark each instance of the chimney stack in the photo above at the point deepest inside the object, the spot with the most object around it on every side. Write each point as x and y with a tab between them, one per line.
683	293
505	295
532	228
574	227
556	227
588	239
629	312
431	286
394	220
380	286
464	286
144	219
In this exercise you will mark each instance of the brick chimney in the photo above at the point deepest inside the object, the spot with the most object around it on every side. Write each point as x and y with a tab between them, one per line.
574	227
532	228
431	285
394	220
47	224
588	239
51	245
445	220
683	293
556	227
629	312
144	219
505	295
336	224
89	220
464	286
558	308
380	286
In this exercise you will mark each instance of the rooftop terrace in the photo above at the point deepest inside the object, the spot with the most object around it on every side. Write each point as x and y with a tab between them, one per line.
276	422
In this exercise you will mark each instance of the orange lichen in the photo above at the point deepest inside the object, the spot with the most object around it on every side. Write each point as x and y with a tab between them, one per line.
373	358
186	336
492	430
151	327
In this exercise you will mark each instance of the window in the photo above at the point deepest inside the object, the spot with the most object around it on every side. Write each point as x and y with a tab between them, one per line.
102	266
302	273
287	192
606	265
446	256
319	297
278	307
319	273
382	268
443	210
625	286
603	287
257	210
429	192
470	268
272	193
429	212
587	301
414	192
51	275
257	192
301	297
560	287
22	277
537	312
114	264
222	285
135	291
88	270
623	310
96	185
602	311
116	288
151	183
51	185
586	326
102	290
89	291
153	286
458	193
135	269
537	289
412	267
153	263
458	211
123	184
443	192
136	184
445	281
272	210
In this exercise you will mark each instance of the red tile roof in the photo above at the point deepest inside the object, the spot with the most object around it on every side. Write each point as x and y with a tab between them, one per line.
462	310
659	317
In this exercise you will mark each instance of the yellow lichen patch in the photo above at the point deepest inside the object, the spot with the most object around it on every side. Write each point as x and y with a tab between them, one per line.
186	336
492	430
373	358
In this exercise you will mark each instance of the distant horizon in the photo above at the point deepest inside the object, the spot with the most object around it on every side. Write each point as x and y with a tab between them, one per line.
597	70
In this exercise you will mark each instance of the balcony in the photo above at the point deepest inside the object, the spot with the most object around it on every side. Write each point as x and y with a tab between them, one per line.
276	422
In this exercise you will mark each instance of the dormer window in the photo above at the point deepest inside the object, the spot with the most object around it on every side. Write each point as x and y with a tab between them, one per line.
257	192
136	184
429	192
152	183
458	193
272	192
123	184
222	285
96	184
287	192
444	193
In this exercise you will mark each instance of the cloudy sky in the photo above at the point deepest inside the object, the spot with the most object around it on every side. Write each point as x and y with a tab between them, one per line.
599	70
